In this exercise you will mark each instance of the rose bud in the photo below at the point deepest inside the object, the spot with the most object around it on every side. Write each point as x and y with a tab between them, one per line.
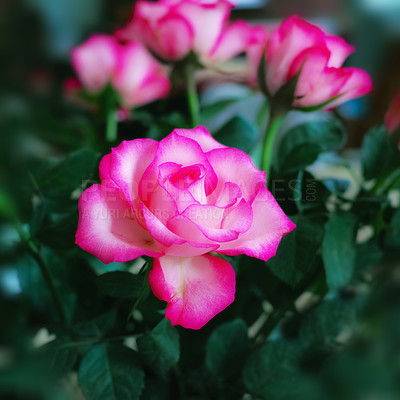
139	78
171	29
300	54
178	200
130	69
95	61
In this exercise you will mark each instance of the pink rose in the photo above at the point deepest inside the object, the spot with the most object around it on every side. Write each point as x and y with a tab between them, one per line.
178	200
392	117
172	28
297	46
130	69
95	61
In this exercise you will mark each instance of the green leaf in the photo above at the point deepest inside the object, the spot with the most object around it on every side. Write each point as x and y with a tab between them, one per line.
61	357
310	194
120	284
303	143
160	347
339	249
110	372
58	227
212	110
239	133
375	152
98	326
324	324
59	178
7	209
35	289
368	256
283	99
30	378
319	106
272	372
298	250
368	206
261	74
227	348
392	235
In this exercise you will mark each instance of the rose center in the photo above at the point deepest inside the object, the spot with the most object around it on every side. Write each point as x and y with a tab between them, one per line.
187	176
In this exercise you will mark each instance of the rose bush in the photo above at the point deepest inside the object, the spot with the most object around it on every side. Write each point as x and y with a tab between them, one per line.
178	200
297	48
130	69
173	28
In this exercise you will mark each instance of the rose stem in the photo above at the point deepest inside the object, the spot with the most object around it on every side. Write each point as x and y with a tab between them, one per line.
111	121
37	255
193	100
268	143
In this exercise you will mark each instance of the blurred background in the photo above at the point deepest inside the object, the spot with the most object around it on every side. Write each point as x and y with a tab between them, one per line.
38	120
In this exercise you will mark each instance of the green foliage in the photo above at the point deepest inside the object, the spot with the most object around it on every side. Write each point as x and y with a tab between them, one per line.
392	236
110	372
323	325
272	372
226	349
238	133
298	252
160	348
120	284
96	327
339	249
262	74
310	194
303	143
59	178
375	144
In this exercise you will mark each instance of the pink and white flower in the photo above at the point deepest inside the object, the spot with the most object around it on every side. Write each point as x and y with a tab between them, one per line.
392	117
297	47
130	69
173	28
178	200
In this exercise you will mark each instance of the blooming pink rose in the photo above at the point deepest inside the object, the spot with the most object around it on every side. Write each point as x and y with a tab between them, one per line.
130	69
178	200
296	46
392	117
172	28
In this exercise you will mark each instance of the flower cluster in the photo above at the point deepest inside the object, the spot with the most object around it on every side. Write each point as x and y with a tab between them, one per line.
178	200
172	29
